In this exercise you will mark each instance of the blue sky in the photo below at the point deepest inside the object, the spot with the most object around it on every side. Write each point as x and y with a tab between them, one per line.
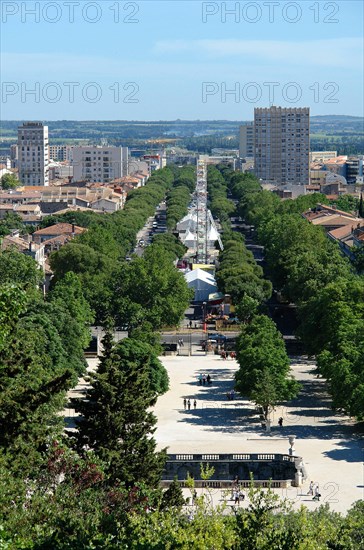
161	60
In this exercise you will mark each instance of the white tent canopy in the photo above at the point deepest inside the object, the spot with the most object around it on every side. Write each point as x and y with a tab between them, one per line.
187	223
190	239
213	235
202	282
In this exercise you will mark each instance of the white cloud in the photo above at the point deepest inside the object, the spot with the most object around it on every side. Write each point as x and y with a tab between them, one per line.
340	52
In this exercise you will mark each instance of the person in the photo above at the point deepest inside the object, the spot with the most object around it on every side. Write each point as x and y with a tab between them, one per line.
185	403
223	355
236	497
195	404
208	379
182	343
200	379
204	379
241	495
189	405
310	489
317	493
190	324
280	421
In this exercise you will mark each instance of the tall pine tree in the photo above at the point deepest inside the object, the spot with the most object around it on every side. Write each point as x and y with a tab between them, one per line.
116	420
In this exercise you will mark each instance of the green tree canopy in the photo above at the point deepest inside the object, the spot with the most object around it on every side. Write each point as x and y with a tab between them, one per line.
116	421
264	370
9	181
18	268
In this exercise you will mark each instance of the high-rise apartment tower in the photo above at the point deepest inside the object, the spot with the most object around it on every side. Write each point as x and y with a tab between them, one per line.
282	145
33	153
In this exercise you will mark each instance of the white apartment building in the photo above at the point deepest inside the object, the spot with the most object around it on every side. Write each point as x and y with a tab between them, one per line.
59	171
246	140
33	154
58	152
99	164
282	145
322	156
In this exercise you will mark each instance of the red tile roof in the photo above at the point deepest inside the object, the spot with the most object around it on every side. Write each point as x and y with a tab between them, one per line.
60	229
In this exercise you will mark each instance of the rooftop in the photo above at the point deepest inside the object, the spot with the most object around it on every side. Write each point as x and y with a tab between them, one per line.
59	229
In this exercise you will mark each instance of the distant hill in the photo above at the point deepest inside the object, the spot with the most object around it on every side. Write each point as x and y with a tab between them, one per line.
341	132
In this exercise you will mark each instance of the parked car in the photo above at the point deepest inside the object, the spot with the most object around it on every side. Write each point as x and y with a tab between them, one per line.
208	342
218	337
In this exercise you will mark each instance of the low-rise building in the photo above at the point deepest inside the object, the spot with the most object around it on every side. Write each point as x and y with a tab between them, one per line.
348	237
56	230
330	218
23	245
99	164
322	156
19	197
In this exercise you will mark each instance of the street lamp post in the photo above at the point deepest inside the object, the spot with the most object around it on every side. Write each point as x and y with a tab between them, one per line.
204	316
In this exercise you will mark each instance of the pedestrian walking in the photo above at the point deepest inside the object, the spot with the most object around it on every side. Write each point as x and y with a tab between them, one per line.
189	405
204	379
200	379
317	493
280	422
195	404
236	498
310	489
182	343
185	403
208	379
190	324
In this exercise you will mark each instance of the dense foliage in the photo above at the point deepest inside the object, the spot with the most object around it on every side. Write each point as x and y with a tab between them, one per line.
110	285
179	197
9	181
221	207
308	269
41	345
116	421
11	222
264	370
238	273
99	487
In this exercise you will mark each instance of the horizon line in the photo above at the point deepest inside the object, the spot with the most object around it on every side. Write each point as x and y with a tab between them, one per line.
157	120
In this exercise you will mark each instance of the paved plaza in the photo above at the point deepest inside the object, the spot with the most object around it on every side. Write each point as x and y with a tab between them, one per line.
330	444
